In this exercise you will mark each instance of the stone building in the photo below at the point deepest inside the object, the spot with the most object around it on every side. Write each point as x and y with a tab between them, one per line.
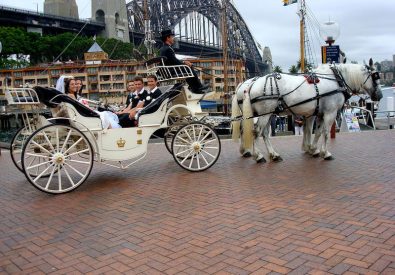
65	8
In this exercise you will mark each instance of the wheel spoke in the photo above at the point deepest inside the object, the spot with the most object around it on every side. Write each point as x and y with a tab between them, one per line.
186	157
37	155
42	148
38	165
193	131
42	173
57	139
50	177
190	164
75	170
205	160
79	161
59	178
49	143
208	153
68	176
188	135
66	140
198	161
72	146
208	141
200	133
208	133
187	142
31	162
79	152
210	147
180	153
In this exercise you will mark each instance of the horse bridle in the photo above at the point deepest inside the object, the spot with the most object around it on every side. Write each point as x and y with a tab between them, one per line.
374	75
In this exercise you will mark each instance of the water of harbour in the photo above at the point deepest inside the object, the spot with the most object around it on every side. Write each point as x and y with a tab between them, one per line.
387	93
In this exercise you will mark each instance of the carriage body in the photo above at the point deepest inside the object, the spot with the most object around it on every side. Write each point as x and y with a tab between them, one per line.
57	154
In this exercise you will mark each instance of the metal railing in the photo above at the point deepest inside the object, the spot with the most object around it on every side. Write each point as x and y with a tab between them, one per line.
390	114
365	113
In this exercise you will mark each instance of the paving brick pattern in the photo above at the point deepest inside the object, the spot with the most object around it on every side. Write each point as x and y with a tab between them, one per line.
301	216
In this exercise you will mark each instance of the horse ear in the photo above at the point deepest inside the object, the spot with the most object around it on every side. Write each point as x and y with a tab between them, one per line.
371	63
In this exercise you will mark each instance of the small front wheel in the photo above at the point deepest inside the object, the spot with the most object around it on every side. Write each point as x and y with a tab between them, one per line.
196	147
57	158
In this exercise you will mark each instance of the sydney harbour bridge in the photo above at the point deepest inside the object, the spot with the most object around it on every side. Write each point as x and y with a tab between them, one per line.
204	28
199	26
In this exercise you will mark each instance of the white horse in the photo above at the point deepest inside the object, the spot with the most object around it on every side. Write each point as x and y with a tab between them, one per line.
320	94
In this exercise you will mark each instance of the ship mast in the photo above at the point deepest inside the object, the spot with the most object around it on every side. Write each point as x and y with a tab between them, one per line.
302	14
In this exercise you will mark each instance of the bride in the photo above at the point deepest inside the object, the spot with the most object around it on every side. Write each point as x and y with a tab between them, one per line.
71	87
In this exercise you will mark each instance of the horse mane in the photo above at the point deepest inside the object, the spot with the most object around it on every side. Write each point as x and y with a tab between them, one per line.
353	74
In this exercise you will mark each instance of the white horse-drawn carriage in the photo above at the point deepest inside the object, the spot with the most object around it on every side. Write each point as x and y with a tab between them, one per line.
57	154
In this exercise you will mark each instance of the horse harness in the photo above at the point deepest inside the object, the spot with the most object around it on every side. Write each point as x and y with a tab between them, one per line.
282	106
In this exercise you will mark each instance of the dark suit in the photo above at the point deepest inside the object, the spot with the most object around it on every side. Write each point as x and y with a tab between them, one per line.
129	97
124	119
167	51
152	96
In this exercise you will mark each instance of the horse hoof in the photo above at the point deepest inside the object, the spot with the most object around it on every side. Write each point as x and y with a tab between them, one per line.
315	155
247	155
329	158
277	159
261	160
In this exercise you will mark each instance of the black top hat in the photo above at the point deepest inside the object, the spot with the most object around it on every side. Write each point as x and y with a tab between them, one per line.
166	33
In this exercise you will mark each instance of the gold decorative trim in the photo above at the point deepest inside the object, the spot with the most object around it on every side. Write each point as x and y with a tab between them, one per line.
139	131
139	141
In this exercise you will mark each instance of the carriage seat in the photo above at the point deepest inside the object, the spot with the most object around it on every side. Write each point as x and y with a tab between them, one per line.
165	72
52	98
154	105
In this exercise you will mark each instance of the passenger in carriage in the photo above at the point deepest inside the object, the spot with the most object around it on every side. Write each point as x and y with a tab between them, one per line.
153	91
127	116
70	88
167	51
130	89
109	120
79	84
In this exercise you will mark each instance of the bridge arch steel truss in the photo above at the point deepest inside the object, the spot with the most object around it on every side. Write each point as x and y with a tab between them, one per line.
193	21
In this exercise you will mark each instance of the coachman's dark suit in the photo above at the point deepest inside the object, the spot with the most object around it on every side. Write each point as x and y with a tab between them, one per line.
193	82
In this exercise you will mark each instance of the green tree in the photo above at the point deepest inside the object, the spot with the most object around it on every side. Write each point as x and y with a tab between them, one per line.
307	66
277	69
49	48
293	69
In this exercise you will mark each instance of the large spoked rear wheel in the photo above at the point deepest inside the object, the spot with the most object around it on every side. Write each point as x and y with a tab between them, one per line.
17	143
61	153
196	147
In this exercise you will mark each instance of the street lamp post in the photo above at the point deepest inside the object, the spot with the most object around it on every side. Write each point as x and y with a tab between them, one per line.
330	31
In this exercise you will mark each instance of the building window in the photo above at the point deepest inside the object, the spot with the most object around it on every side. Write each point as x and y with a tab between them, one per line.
100	16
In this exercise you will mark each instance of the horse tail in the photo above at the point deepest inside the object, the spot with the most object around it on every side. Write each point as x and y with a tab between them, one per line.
236	112
248	124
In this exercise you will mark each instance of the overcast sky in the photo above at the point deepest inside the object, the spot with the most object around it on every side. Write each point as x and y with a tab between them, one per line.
367	28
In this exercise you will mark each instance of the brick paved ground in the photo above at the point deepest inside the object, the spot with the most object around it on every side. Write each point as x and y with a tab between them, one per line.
301	216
